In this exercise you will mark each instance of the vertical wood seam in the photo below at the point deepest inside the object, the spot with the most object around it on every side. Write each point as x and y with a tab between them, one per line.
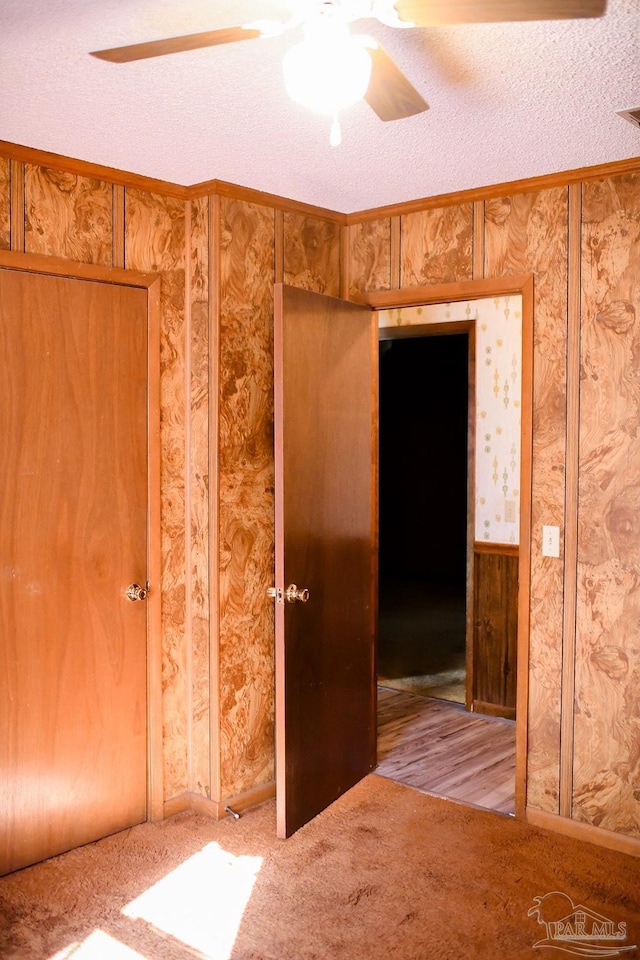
18	206
155	803
345	262
572	453
395	278
278	274
214	486
188	545
524	564
117	226
478	240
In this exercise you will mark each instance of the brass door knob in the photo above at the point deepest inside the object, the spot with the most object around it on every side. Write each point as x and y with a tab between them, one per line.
136	592
293	593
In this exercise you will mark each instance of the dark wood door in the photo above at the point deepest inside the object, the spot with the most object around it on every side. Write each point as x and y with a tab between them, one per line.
73	535
326	454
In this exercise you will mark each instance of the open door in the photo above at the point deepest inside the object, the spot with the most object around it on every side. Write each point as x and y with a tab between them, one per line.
326	567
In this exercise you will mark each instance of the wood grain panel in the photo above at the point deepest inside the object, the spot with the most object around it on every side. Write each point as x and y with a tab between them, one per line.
528	233
68	215
246	496
198	498
495	612
606	773
5	205
17	216
155	241
312	253
369	256
437	246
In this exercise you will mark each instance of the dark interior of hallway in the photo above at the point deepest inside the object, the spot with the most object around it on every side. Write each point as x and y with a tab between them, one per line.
423	514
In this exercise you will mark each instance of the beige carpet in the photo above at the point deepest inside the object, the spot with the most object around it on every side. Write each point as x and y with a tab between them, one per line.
385	874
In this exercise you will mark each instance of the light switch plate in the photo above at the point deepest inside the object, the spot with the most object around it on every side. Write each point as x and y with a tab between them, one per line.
550	541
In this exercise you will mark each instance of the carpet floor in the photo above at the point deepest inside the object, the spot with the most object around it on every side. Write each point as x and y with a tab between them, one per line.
385	872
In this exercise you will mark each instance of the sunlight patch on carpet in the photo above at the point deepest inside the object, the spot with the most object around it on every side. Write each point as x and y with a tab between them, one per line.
98	946
201	902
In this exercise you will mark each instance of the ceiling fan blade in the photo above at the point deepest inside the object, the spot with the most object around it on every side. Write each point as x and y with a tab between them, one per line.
193	41
390	94
428	12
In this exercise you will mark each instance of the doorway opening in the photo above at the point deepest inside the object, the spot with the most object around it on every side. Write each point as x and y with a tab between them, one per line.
423	496
457	741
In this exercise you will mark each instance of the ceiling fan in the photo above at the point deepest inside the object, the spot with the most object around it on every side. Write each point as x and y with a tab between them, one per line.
333	68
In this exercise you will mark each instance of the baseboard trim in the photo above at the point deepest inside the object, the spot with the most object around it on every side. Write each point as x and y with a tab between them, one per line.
583	831
177	805
216	808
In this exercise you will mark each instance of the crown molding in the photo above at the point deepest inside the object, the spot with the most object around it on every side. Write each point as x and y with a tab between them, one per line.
496	190
223	188
84	168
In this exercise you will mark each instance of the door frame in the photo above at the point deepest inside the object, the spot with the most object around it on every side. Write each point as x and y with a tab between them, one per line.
56	266
522	285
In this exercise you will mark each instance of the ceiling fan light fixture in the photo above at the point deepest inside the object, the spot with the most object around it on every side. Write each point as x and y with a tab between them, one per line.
329	70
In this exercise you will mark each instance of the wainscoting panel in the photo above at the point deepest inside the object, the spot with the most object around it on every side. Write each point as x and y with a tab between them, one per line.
495	629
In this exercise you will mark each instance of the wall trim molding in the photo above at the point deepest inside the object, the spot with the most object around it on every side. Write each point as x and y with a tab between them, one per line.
497	549
84	168
492	191
583	831
223	188
216	808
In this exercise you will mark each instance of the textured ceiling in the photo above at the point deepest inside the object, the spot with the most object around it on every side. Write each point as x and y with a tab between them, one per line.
506	101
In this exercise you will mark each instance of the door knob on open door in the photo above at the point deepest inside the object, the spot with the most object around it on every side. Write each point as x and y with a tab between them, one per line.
293	593
136	592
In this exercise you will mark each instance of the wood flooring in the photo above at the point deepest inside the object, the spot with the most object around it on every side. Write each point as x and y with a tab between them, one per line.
439	748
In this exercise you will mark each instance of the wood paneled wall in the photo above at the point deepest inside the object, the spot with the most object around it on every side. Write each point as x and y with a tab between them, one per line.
245	491
218	258
606	770
5	205
436	246
312	253
584	608
198	446
154	237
